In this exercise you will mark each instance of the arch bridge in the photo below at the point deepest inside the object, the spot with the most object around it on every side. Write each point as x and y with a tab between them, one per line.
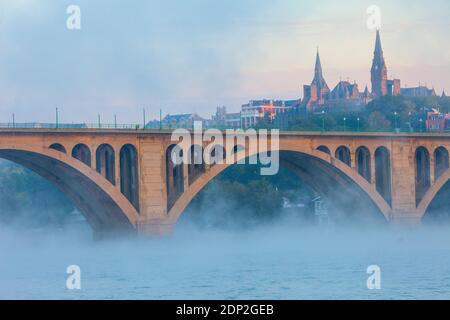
126	181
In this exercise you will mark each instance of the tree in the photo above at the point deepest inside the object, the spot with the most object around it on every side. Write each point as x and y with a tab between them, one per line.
377	121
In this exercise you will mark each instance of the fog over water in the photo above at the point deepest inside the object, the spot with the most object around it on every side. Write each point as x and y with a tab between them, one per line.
239	245
283	261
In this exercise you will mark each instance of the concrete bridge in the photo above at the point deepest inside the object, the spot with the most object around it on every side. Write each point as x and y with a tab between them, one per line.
125	180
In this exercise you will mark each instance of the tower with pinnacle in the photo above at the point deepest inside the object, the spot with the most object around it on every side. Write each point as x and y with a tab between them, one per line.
318	91
378	73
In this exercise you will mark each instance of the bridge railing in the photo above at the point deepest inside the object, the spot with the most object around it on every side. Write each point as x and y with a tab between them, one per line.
114	126
37	125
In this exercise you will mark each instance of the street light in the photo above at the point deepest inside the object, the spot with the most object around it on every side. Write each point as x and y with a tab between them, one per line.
323	120
345	127
357	119
143	118
57	120
395	120
410	121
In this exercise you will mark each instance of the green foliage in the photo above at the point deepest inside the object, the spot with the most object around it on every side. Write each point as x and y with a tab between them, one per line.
377	121
241	198
26	198
386	113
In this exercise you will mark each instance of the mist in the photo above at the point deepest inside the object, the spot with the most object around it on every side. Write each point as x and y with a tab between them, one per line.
219	252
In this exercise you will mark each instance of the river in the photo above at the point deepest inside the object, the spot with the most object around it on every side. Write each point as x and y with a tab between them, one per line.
277	262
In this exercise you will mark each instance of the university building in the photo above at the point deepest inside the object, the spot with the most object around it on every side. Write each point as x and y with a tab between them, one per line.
345	95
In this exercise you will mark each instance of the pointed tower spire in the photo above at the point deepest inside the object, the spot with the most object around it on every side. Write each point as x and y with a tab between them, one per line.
379	70
378	49
319	84
443	94
318	66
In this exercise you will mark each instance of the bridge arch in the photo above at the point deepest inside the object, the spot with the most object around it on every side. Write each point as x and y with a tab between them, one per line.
103	206
129	177
82	153
432	192
441	161
58	147
316	166
105	162
237	148
383	173
422	166
324	149
196	165
216	154
174	174
363	164
343	154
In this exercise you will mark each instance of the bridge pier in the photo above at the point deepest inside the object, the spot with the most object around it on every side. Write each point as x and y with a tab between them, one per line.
406	219
154	228
153	211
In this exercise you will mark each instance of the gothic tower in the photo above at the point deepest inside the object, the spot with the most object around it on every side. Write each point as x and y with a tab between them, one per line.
379	71
319	84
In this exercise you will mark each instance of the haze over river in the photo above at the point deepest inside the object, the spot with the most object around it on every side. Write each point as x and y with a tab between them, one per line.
283	261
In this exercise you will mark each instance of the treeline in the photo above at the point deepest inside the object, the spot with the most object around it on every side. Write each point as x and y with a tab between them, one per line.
382	114
240	198
28	199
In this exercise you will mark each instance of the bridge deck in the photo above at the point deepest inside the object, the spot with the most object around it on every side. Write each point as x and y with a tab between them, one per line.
168	132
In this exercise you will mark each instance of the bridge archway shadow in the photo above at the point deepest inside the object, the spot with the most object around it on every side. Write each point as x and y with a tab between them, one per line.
345	198
438	211
106	211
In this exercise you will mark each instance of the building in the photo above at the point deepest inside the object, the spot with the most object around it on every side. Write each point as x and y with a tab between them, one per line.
222	119
381	86
180	120
258	111
345	95
420	91
317	92
437	121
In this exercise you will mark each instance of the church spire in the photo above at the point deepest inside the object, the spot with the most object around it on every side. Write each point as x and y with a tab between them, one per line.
318	67
379	70
319	80
378	49
319	84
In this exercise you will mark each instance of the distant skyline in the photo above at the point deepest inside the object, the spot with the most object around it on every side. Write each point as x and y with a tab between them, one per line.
192	56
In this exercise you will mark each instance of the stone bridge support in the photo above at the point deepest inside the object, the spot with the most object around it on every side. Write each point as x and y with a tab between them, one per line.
136	197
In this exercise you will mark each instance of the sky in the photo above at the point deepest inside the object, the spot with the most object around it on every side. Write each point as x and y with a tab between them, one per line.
193	56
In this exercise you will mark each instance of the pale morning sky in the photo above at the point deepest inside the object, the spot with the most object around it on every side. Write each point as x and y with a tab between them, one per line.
192	56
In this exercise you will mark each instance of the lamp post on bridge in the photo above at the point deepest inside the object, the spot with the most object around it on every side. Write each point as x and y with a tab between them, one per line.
357	120
57	120
345	127
14	120
99	121
323	120
115	121
395	120
410	121
143	118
